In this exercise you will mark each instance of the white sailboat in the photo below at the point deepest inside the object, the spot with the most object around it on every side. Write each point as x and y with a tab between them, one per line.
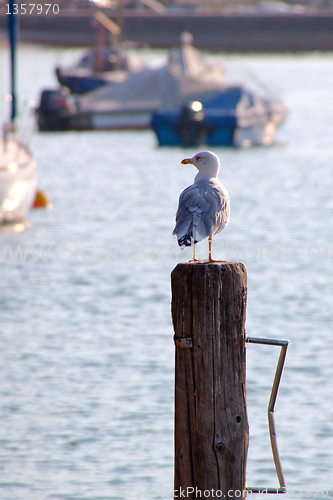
18	169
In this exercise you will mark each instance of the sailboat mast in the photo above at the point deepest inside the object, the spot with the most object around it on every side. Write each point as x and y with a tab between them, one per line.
12	41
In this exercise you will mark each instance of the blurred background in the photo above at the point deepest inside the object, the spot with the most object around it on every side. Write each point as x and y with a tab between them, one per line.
86	342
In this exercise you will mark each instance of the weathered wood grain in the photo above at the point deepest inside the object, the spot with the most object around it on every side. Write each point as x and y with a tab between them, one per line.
211	428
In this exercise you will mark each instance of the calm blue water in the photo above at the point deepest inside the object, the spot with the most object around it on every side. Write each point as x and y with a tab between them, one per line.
87	357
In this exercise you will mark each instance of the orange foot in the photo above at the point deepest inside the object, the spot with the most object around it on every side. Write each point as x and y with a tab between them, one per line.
213	260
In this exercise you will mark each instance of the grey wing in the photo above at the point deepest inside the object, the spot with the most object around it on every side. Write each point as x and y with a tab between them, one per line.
203	211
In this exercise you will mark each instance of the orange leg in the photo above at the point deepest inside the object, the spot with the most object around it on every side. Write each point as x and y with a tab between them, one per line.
194	258
210	259
210	250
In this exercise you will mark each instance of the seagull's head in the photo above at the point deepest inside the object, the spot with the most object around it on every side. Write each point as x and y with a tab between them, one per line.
206	162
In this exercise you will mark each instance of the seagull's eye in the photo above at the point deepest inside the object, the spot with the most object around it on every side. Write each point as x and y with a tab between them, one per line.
198	158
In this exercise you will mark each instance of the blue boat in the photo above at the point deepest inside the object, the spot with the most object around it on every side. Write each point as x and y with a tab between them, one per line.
113	66
102	64
234	116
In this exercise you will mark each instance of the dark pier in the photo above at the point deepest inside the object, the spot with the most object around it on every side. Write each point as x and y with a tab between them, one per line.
252	32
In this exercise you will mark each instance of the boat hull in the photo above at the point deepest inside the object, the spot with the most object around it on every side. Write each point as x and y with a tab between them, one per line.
80	84
18	183
129	120
233	117
221	134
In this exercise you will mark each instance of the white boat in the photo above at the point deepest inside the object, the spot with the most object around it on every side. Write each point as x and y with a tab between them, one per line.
188	75
18	179
18	170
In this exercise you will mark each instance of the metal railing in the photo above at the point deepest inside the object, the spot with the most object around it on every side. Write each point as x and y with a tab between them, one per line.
271	407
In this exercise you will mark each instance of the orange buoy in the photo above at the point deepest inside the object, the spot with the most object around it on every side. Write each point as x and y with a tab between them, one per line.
42	200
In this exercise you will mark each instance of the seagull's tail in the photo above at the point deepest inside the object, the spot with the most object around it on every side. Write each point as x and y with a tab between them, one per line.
187	240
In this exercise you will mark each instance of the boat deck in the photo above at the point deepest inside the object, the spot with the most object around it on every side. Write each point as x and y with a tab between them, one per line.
13	155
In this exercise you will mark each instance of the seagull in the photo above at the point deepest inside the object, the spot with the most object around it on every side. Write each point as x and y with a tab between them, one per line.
204	207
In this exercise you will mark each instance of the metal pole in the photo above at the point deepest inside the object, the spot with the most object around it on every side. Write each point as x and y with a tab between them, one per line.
12	41
271	407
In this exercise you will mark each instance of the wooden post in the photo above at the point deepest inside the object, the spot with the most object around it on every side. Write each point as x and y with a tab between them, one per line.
211	427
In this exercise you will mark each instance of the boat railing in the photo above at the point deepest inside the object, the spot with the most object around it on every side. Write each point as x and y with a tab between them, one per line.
26	123
19	132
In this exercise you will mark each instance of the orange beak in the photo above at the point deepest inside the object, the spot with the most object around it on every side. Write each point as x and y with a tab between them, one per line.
186	161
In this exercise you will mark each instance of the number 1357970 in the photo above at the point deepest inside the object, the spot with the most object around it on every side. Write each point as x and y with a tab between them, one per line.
33	8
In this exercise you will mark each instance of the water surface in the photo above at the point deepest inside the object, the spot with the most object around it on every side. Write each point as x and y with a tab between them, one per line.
87	357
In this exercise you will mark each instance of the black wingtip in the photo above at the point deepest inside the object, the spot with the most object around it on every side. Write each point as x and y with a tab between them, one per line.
187	240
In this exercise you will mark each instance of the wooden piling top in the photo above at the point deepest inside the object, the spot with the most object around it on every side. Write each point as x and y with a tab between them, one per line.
211	428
